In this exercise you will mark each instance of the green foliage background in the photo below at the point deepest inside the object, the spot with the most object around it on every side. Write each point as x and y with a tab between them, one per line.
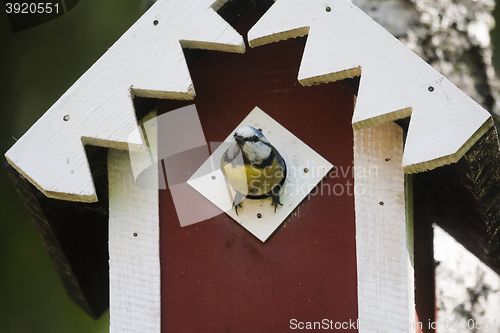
36	67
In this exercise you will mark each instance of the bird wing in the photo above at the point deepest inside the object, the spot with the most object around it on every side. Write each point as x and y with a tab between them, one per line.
235	172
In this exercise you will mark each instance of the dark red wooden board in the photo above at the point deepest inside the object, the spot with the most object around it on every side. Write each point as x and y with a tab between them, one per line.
216	276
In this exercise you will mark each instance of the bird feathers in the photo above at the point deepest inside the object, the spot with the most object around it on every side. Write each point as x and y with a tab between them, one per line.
253	167
253	179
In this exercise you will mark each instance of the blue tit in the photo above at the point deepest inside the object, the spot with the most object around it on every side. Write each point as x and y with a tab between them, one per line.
253	167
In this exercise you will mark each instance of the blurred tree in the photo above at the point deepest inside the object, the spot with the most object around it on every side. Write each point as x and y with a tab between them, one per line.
37	66
466	289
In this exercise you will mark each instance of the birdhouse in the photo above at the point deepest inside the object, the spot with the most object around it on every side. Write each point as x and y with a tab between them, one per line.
124	181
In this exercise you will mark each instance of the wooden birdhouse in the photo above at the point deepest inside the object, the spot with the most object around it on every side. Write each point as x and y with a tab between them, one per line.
126	167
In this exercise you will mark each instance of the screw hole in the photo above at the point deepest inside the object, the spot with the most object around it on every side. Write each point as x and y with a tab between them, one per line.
381	203
213	177
260	130
259	215
66	117
431	88
135	234
387	159
155	22
306	170
328	9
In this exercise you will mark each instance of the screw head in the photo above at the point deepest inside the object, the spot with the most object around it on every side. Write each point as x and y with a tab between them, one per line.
431	88
66	117
155	22
259	215
328	9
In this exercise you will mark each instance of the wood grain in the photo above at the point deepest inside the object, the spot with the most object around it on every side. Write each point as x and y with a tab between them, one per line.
344	42
134	263
75	236
383	243
464	199
146	61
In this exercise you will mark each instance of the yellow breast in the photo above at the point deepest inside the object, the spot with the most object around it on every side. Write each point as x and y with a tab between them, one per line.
251	180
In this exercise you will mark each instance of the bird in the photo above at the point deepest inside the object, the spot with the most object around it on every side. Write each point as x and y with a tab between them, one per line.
253	167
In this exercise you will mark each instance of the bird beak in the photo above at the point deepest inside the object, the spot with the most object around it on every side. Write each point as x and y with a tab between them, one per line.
239	139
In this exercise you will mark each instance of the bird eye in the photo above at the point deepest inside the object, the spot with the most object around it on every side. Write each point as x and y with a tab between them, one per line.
254	138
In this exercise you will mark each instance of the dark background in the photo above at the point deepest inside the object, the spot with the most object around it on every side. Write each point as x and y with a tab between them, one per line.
36	67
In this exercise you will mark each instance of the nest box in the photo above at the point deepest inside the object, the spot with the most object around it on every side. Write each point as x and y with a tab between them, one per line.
125	166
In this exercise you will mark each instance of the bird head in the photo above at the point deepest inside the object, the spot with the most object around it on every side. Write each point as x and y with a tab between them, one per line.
253	144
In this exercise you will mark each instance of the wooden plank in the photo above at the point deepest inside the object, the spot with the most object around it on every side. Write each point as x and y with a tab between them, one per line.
216	276
75	236
383	243
146	61
464	199
425	281
134	263
344	42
